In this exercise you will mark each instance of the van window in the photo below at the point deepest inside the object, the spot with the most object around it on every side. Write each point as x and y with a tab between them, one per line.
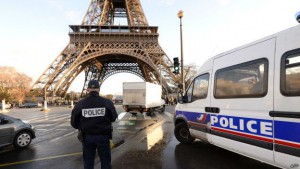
248	79
290	74
198	88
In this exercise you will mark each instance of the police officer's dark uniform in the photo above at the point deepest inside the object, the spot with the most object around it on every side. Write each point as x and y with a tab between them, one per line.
93	116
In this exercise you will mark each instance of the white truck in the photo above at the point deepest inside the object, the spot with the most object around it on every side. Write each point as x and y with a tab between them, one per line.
142	97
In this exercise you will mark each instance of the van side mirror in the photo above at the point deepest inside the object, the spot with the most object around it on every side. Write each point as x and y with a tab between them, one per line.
179	94
179	98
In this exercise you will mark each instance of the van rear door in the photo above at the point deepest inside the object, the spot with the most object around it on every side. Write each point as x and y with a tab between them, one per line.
243	92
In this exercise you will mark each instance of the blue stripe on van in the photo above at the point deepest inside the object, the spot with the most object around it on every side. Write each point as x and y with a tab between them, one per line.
289	131
254	126
259	127
257	132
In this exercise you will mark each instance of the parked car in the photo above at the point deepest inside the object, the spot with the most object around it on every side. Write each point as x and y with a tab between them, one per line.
15	131
29	105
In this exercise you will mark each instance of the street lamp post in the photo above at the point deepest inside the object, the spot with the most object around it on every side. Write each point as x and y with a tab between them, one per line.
45	108
72	100
180	15
3	106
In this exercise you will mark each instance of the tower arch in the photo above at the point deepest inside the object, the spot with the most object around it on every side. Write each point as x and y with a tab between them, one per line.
100	49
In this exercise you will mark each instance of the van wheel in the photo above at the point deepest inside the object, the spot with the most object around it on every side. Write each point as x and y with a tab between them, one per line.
22	140
182	133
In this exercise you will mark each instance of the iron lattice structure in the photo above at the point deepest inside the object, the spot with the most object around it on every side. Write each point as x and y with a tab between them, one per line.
102	49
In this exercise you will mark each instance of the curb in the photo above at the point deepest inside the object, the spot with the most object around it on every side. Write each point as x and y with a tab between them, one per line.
115	144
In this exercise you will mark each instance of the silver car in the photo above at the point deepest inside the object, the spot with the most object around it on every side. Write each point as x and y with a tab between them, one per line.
15	131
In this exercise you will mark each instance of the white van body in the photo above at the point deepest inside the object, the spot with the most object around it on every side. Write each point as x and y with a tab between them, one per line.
247	100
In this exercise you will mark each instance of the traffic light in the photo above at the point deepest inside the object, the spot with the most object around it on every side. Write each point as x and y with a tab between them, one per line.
176	65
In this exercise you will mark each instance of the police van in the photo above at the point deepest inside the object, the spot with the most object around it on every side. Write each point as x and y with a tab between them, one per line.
247	100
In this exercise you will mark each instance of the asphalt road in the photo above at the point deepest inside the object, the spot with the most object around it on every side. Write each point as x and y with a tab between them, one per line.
56	145
139	142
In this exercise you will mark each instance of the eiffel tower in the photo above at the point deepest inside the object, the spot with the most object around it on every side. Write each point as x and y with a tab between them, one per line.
100	49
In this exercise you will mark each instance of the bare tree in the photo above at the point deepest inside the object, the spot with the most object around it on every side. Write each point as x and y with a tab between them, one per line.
21	86
189	72
13	85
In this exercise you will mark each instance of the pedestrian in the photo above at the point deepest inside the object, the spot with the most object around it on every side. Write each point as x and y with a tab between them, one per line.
167	100
93	117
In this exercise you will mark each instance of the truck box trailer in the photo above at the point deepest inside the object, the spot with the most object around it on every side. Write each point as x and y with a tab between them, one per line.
142	97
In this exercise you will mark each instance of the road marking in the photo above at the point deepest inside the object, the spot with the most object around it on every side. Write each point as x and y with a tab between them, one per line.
132	117
168	114
40	159
39	118
146	116
125	131
52	118
44	125
42	129
158	115
63	136
121	115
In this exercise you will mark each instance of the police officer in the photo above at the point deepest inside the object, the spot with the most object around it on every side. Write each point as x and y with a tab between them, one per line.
93	116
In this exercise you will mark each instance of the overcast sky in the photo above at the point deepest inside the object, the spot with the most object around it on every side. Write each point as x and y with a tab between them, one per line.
34	32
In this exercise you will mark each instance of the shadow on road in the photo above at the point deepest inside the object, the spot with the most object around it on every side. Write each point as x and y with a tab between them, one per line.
203	155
